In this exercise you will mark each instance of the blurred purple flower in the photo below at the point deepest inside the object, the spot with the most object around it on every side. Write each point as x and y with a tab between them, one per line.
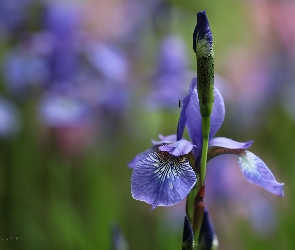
170	73
62	109
262	214
68	118
10	119
62	21
225	187
13	13
110	62
165	179
112	67
23	69
173	58
113	96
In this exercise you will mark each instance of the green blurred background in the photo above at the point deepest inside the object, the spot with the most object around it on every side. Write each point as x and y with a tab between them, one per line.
68	187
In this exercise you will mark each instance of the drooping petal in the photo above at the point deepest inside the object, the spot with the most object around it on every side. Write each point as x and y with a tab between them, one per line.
165	139
228	143
256	172
141	155
161	179
191	117
178	148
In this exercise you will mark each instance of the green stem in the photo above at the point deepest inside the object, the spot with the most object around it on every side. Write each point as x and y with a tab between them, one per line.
205	133
198	215
200	187
190	200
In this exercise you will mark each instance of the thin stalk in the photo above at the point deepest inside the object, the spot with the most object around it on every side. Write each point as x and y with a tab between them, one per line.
190	200
205	133
198	216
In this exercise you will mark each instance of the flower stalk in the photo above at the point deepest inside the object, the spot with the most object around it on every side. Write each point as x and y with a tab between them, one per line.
203	47
199	211
174	168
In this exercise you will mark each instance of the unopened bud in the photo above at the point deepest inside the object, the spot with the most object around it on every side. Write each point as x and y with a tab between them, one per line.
203	47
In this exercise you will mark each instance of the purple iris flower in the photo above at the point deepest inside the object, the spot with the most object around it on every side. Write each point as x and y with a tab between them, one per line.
170	73
163	176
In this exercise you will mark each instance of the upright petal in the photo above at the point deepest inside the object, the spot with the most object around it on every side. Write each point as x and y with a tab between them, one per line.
191	117
161	179
256	172
218	112
185	106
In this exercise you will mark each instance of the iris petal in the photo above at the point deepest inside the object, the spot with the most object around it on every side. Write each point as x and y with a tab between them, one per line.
191	117
218	113
256	172
184	109
228	143
161	179
181	147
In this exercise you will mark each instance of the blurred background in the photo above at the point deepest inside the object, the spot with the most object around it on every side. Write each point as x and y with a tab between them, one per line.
86	85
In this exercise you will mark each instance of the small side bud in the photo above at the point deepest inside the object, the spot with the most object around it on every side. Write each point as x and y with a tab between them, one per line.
188	236
207	238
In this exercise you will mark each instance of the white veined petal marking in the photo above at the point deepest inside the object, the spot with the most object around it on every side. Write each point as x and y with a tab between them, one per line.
167	165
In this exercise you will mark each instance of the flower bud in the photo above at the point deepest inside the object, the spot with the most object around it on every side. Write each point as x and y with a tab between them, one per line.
203	47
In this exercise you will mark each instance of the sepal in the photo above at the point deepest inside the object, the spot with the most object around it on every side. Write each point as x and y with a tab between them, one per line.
161	179
256	172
